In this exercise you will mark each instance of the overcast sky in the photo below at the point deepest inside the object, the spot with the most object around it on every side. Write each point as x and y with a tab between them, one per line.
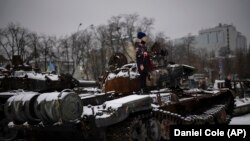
176	18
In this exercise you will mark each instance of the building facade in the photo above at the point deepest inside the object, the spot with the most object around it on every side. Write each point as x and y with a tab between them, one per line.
220	41
222	36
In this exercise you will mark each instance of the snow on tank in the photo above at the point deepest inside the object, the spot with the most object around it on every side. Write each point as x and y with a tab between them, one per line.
51	107
114	111
123	80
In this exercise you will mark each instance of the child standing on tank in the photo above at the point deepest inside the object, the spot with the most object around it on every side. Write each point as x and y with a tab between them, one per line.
142	58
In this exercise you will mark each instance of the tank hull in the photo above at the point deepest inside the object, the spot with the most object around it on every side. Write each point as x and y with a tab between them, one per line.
121	118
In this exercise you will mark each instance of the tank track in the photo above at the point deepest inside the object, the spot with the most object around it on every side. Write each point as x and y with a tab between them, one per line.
133	128
155	125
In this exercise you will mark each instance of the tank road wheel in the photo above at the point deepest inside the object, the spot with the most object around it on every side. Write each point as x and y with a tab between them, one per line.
138	130
221	117
153	130
6	133
165	129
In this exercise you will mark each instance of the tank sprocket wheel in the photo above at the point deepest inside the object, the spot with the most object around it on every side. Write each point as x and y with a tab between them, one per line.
138	131
153	130
165	129
131	129
221	116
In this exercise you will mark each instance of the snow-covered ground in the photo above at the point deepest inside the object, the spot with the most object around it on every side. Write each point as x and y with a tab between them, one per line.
242	101
241	120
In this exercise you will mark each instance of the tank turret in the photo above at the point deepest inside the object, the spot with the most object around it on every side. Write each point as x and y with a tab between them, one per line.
20	88
23	76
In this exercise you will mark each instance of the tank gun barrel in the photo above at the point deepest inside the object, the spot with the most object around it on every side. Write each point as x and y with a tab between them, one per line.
87	83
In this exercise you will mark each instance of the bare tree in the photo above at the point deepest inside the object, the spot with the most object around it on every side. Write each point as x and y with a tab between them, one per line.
130	24
13	40
4	45
248	64
123	29
200	60
47	44
34	44
241	63
64	58
223	51
188	42
115	26
179	53
146	25
84	51
105	50
74	51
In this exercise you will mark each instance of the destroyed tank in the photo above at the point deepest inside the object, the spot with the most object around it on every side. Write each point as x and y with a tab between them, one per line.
120	111
23	80
23	76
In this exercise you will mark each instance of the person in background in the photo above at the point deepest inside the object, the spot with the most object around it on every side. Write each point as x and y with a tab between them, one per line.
202	84
142	58
228	82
